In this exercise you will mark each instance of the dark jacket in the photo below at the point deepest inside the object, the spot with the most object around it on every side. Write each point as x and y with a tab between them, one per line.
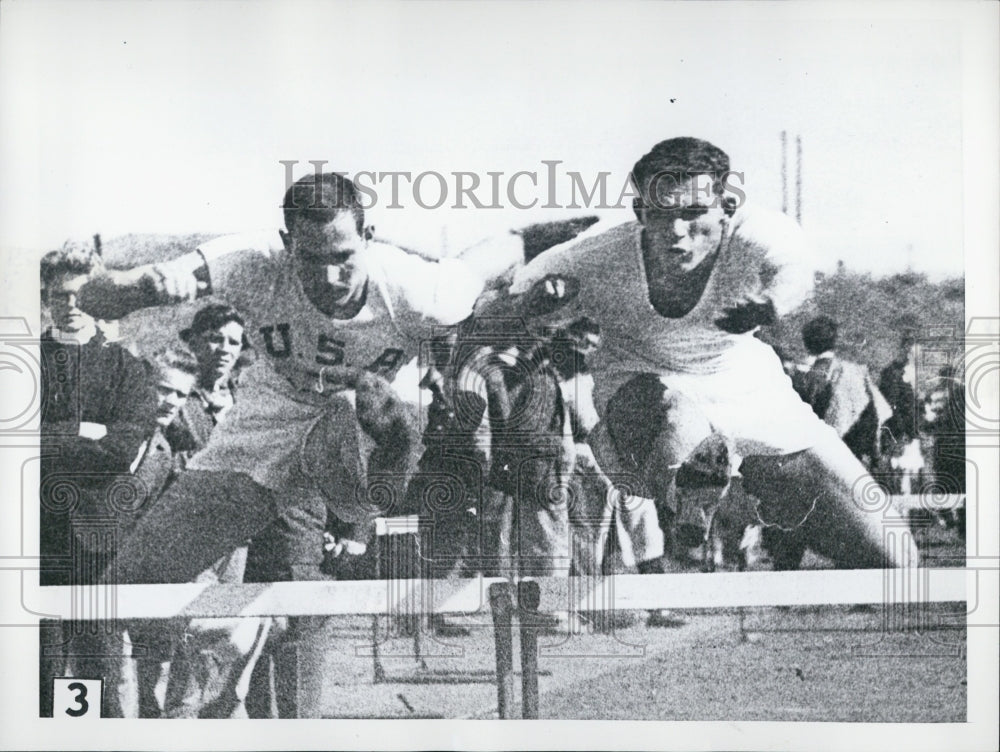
948	430
156	470
844	396
82	488
189	431
903	426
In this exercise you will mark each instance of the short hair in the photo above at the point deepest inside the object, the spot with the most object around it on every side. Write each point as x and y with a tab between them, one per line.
819	335
175	357
213	317
319	198
681	157
75	257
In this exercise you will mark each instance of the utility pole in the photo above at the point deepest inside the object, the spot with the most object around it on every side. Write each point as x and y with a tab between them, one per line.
798	179
784	172
797	198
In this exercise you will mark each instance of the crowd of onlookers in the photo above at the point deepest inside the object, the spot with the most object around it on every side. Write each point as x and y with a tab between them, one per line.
120	429
912	443
117	430
911	439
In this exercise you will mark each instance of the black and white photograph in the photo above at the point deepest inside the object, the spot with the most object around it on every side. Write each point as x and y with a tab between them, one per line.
374	375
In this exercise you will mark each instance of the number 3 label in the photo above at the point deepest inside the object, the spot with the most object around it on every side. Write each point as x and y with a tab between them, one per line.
77	698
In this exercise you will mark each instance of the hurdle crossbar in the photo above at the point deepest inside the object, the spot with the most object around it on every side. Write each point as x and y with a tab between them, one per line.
623	592
928	502
618	592
748	589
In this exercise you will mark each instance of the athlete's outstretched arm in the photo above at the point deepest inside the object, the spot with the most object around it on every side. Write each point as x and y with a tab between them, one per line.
550	301
787	268
493	258
789	261
115	293
446	290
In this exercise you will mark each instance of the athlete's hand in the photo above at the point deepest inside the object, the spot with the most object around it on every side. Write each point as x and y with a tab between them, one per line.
381	412
544	235
171	287
747	315
550	293
115	293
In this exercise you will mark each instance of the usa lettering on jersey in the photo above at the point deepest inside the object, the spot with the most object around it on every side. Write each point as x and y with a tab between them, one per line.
330	351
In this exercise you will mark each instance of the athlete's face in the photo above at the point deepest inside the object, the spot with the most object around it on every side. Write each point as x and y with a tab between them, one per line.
327	254
217	350
173	387
685	222
66	315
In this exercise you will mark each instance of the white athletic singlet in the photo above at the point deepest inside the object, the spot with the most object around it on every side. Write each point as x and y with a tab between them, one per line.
285	391
735	379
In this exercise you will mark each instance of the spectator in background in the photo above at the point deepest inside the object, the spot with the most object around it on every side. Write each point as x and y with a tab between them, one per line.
447	489
944	415
902	435
944	419
218	340
173	374
593	515
842	392
98	408
210	667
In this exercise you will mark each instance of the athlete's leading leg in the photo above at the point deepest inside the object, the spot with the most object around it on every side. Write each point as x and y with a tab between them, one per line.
202	516
837	505
199	518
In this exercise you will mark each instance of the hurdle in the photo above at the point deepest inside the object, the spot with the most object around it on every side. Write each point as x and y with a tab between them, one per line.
387	529
397	554
928	502
525	599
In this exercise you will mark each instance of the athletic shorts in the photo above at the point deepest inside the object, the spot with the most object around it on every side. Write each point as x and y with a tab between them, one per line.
748	398
280	442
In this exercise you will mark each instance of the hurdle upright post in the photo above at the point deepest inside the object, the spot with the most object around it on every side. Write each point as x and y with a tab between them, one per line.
529	597
377	668
502	608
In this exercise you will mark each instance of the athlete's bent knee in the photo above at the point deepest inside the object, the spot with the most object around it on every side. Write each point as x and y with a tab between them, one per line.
641	412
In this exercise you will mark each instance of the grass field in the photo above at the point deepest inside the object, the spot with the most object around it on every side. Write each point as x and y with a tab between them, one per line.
819	664
829	663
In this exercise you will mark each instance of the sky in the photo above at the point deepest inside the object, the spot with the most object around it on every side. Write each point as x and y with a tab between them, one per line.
152	117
